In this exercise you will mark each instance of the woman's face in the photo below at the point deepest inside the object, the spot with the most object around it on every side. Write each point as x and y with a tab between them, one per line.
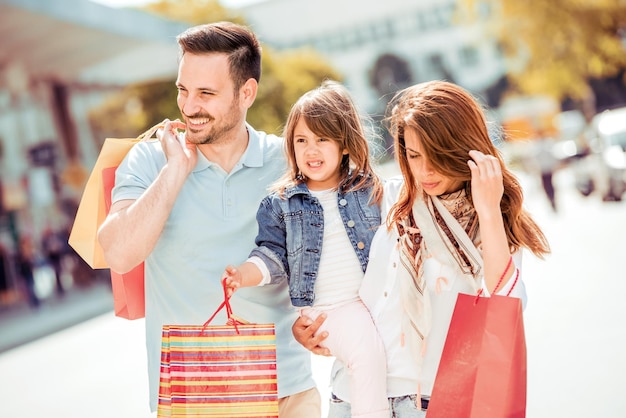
433	183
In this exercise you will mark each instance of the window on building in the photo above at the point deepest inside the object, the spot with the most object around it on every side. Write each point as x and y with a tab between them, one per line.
469	56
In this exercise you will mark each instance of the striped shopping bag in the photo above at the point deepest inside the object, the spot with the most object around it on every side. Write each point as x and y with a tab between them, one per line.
218	371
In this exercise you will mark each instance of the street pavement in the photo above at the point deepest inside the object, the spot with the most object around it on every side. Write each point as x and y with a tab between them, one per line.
23	324
94	364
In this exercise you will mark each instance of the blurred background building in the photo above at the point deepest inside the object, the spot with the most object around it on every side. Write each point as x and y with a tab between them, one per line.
380	47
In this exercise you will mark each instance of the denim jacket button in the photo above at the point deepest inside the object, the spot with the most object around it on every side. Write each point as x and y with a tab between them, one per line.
351	223
343	202
360	245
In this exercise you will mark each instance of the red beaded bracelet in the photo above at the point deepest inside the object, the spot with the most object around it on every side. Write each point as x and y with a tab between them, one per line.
502	278
503	274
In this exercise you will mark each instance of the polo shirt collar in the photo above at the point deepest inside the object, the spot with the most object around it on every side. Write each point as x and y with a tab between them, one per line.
252	156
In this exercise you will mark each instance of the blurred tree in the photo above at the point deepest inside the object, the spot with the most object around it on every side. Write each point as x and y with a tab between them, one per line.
285	77
133	109
557	46
195	12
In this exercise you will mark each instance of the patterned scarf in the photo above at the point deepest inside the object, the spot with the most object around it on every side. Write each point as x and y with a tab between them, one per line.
441	242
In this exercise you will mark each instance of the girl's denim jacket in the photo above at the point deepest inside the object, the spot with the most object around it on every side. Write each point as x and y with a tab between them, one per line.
291	231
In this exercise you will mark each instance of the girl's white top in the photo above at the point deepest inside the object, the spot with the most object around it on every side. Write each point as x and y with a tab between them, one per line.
339	276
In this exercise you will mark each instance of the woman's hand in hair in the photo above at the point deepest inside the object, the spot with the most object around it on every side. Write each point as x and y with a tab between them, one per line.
487	184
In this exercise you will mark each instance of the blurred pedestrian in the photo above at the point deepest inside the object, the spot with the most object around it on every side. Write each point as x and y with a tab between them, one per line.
25	269
546	163
4	275
186	205
53	248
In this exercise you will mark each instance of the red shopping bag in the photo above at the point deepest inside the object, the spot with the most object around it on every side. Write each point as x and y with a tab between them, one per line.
218	370
482	372
128	288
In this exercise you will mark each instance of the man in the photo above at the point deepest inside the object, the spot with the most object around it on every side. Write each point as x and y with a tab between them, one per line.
186	205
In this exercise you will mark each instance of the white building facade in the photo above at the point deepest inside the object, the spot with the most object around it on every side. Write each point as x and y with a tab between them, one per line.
380	47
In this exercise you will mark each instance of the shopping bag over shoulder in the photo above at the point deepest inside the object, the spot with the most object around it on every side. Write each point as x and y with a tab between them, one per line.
91	209
218	370
482	372
129	299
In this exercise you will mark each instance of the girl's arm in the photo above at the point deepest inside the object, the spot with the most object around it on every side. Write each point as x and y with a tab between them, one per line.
268	261
246	275
271	240
487	191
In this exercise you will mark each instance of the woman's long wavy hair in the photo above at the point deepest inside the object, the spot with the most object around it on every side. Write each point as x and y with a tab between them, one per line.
330	112
449	123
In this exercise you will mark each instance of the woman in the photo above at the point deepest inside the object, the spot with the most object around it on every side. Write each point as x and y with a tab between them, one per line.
451	167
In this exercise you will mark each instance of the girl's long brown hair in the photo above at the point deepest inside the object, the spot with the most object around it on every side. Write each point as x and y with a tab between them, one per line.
450	123
330	112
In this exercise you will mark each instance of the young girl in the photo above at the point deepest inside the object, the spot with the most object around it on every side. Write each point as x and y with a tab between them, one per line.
315	230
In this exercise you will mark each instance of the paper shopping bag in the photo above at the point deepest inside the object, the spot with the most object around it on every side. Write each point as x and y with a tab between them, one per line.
128	293
220	371
482	372
91	209
128	288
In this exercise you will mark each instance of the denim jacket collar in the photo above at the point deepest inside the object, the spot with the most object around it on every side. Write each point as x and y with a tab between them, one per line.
303	189
297	189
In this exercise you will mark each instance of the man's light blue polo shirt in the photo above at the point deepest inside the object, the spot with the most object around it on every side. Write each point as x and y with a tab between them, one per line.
212	224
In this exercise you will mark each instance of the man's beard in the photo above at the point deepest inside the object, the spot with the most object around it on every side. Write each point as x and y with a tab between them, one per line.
216	130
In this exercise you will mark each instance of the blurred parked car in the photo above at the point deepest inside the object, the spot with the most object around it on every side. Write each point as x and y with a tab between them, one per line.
608	141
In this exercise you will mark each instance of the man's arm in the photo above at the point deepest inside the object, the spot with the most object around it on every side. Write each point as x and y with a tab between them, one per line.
132	228
304	330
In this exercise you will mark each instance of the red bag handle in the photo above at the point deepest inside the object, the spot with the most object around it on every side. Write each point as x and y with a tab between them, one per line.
229	310
500	281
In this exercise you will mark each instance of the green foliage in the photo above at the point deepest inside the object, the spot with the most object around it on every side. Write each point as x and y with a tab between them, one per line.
557	46
195	12
285	77
129	112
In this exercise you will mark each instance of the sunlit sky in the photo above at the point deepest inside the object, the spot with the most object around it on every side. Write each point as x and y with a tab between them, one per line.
131	3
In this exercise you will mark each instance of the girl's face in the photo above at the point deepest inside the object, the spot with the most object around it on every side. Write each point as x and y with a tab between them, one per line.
433	183
318	159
